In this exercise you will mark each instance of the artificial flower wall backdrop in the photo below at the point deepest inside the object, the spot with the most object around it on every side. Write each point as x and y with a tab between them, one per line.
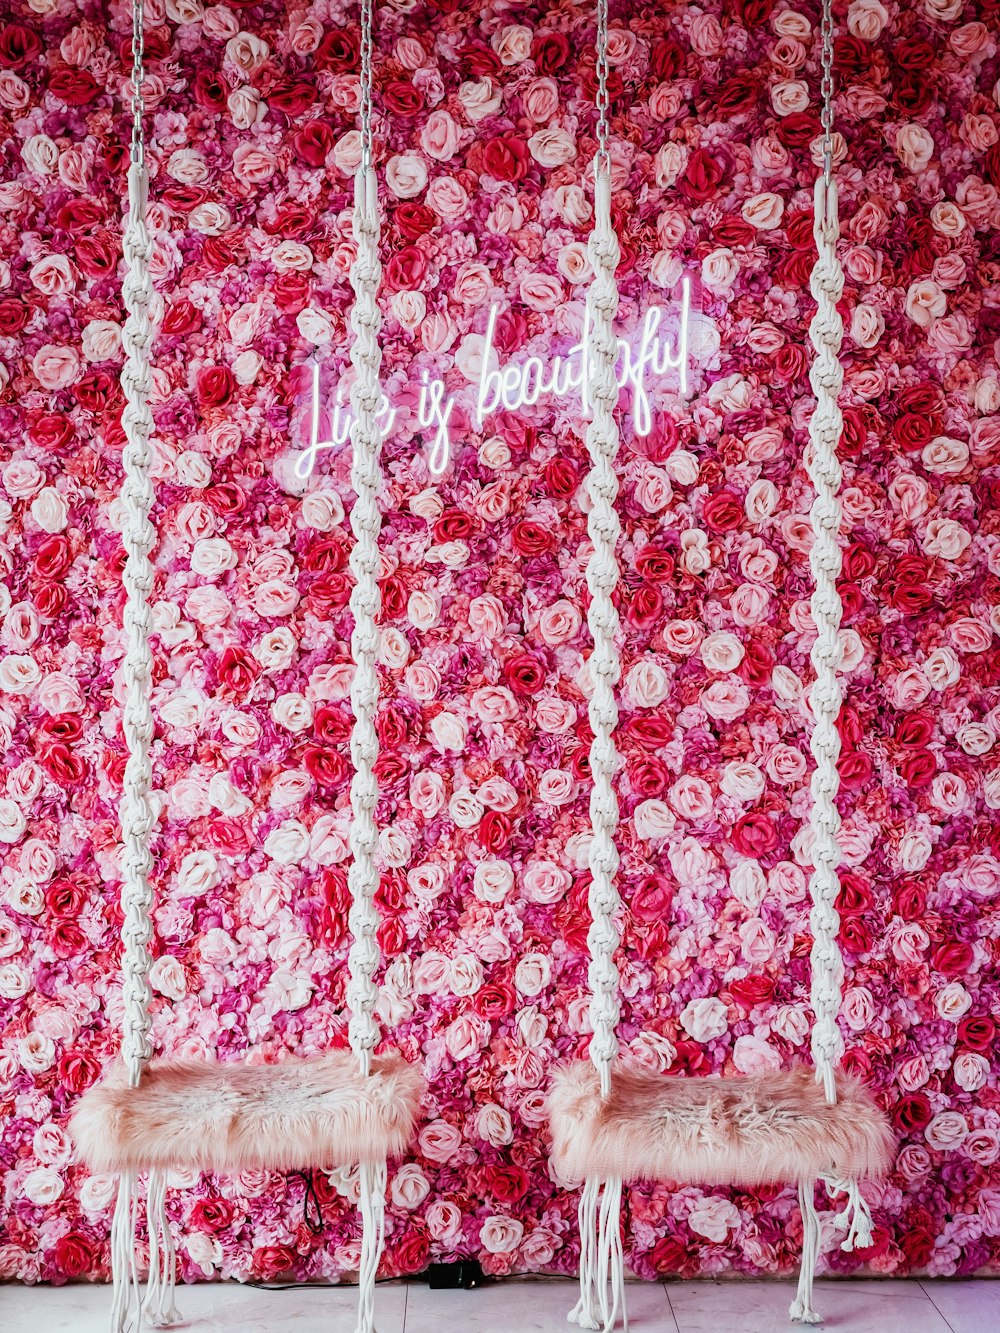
485	134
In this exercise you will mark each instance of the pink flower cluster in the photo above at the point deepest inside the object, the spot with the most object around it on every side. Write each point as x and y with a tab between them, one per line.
485	134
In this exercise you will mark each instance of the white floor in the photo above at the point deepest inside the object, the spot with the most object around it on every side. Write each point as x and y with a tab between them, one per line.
531	1305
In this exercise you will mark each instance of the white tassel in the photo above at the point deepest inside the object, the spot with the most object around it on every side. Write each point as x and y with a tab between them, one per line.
126	1301
159	1306
801	1308
602	1258
372	1205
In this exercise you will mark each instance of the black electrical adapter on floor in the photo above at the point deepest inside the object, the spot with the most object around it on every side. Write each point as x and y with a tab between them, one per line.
465	1274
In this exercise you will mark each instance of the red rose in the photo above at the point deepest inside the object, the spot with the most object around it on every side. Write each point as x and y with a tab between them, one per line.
50	600
789	363
670	1255
290	219
752	990
338	50
855	894
506	158
454	525
67	939
651	898
911	432
292	96
918	769
97	391
794	269
649	733
977	1031
393	597
226	498
401	98
327	767
914	54
857	1064
736	95
228	836
336	905
507	1184
925	399
75	87
215	386
645	606
411	1253
313	142
238	669
858	561
393	728
77	1070
702	176
96	255
549	51
754	834
211	89
560	477
494	830
798	130
53	558
290	292
183	198
855	935
13	316
915	730
392	894
324	556
655	564
51	431
65	897
212	1215
855	769
331	727
509	331
666	60
62	765
18	46
271	1261
74	1254
406	269
912	1112
495	1001
953	958
722	512
733	232
910	900
917	1243
413	219
524	674
391	936
531	538
181	317
758	663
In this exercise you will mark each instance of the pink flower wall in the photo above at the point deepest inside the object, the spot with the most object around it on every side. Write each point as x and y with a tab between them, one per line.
485	134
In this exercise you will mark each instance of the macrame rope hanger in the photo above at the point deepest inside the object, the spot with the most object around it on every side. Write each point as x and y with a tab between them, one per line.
602	1265
365	603
596	1120
349	1117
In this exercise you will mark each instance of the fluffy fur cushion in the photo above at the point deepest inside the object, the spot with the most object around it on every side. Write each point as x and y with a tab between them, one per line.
289	1116
767	1129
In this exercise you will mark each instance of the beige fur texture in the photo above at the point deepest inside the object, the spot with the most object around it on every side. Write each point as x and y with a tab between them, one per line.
317	1112
767	1129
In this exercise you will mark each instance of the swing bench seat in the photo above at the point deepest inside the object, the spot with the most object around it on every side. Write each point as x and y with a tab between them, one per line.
317	1112
773	1128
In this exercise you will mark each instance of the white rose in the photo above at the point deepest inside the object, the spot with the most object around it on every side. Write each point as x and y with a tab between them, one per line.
705	1019
42	1187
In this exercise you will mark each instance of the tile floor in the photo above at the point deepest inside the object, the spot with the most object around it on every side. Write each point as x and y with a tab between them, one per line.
531	1305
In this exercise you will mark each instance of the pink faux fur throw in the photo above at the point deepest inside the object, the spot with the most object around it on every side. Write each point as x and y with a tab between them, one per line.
767	1129
289	1116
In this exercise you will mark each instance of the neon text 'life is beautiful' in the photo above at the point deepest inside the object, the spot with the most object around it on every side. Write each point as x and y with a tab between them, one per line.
660	345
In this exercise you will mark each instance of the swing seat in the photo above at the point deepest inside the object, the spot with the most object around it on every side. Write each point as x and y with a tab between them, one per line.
318	1112
774	1128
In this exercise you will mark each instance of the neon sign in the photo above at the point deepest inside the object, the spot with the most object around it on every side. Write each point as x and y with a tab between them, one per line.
652	353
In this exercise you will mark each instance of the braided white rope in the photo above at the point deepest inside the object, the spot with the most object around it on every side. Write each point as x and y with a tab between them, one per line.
366	522
602	619
826	376
139	538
